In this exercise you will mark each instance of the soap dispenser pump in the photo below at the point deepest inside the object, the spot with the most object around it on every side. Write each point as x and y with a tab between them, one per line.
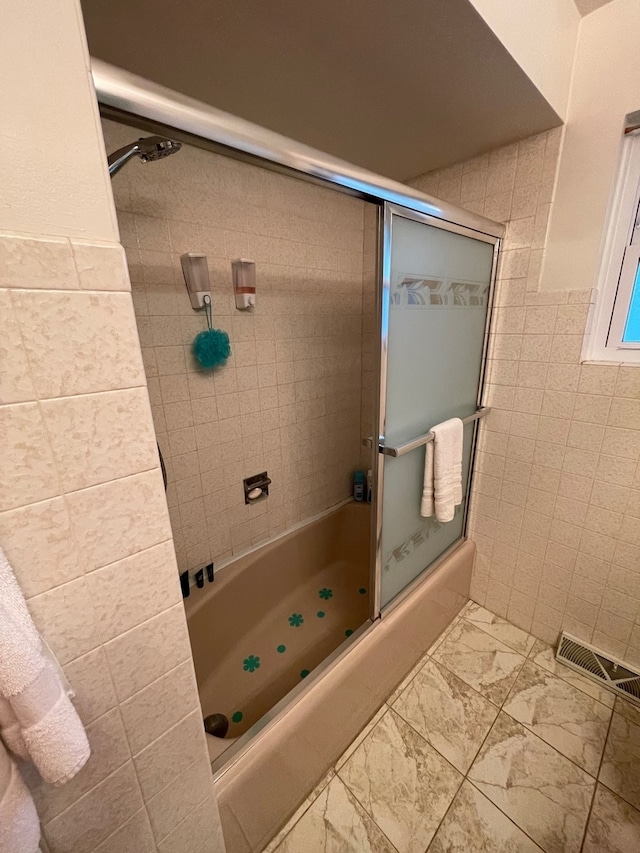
244	283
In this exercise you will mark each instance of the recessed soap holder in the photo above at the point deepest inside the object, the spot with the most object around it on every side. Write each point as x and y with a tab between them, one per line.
256	488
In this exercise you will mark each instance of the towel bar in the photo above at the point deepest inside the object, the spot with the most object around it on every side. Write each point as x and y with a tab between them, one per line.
408	446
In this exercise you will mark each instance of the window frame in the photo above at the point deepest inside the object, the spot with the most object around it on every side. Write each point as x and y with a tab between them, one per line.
603	340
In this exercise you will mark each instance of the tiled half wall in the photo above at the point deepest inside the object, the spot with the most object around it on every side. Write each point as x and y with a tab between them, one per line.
289	399
556	497
84	522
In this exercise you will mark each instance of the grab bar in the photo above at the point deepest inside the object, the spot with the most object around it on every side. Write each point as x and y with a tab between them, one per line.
408	446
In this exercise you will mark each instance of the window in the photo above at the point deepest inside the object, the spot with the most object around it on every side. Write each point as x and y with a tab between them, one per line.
615	331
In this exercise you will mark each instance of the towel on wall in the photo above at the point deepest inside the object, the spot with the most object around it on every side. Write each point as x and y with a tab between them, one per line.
37	720
442	484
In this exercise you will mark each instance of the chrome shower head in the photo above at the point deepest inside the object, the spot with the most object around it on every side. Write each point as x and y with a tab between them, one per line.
148	149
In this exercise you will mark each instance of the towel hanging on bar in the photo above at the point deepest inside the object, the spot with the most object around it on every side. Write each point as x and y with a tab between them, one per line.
442	484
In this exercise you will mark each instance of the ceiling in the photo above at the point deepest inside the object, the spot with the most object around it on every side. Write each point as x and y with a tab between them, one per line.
586	6
400	88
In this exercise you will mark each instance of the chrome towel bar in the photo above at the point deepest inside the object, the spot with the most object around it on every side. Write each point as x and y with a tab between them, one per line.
408	446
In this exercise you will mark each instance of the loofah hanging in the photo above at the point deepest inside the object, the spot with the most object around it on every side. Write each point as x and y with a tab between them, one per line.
211	348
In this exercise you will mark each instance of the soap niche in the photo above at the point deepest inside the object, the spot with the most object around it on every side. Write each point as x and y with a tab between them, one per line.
256	488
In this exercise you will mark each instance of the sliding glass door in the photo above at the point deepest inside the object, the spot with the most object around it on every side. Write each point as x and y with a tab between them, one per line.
435	300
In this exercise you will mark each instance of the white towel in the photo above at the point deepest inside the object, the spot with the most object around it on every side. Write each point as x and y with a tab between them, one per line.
442	484
19	825
37	720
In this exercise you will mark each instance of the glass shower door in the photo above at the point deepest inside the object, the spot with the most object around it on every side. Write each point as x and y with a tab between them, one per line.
436	294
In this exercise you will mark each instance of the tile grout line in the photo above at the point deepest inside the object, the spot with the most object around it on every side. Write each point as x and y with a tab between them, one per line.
595	787
465	776
501	710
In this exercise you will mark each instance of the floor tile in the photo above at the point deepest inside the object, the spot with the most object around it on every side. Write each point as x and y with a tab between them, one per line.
515	638
567	719
628	710
473	823
540	790
335	823
620	769
402	782
302	808
479	659
545	656
614	826
452	716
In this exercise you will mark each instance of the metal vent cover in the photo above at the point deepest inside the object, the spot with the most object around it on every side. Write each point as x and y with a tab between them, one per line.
610	671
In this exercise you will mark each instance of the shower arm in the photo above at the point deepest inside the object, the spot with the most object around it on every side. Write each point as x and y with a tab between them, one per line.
117	160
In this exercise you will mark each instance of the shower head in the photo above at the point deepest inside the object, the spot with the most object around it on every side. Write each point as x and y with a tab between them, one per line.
148	149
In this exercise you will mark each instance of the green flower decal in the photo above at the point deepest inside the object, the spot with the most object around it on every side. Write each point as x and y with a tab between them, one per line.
295	620
320	614
251	663
348	632
362	591
237	717
281	649
304	673
326	593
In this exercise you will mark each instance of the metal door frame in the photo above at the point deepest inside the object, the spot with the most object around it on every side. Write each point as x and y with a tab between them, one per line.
390	210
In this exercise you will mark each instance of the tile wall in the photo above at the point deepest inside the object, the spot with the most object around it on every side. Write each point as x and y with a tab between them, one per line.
556	497
288	401
84	522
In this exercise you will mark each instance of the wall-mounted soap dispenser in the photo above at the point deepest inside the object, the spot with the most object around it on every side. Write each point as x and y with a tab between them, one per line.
196	276
244	283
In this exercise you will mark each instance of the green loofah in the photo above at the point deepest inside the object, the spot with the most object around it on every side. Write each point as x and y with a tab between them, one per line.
211	348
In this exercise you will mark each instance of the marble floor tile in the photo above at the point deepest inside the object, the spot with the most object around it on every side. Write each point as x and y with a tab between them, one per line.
567	719
620	768
452	716
302	808
479	659
474	824
515	638
543	792
628	709
614	826
335	823
545	656
402	782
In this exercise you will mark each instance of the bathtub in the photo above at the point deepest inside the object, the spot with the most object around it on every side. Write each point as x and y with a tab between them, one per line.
272	615
280	750
260	789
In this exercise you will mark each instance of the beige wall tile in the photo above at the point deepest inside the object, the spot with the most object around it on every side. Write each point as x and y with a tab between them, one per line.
65	618
133	590
625	413
148	651
200	831
120	518
169	807
310	305
584	459
134	836
100	266
627	384
79	342
179	747
148	713
15	378
40	545
41	263
28	473
91	681
93	818
91	436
